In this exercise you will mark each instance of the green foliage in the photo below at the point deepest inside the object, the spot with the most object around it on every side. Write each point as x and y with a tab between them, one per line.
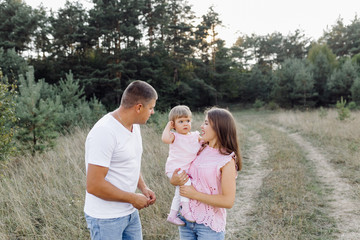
76	110
7	117
341	80
12	64
322	50
323	62
355	90
38	114
45	110
343	110
258	104
116	42
258	84
344	39
294	83
272	106
17	23
352	105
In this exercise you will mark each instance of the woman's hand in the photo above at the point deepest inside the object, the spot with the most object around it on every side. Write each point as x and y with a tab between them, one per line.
179	179
188	191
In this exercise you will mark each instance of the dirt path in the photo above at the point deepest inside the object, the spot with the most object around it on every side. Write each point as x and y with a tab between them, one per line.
344	209
249	182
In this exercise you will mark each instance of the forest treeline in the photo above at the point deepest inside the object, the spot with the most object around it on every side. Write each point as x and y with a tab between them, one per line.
79	56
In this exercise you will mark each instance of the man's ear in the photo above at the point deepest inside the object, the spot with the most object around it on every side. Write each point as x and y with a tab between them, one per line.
138	107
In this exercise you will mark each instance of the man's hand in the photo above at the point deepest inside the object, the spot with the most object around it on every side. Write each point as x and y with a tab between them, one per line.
139	201
150	195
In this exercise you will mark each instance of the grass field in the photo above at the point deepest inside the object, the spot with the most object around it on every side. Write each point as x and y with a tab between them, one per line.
281	192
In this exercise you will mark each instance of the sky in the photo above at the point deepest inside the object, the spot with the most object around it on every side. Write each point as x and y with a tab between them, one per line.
263	17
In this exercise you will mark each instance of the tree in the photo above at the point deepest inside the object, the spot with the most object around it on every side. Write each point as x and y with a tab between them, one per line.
355	90
116	27
293	83
335	38
12	64
353	37
42	39
69	31
323	62
341	80
7	117
17	24
257	84
304	85
343	40
294	45
76	110
38	113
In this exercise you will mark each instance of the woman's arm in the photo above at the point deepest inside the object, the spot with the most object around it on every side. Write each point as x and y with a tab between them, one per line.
228	184
167	137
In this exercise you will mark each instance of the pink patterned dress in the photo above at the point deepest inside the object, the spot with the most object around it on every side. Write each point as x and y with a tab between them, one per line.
206	178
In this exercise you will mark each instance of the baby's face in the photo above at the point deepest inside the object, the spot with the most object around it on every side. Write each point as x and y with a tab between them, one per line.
182	125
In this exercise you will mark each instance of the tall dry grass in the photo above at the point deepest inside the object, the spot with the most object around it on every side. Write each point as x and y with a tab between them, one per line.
340	140
42	197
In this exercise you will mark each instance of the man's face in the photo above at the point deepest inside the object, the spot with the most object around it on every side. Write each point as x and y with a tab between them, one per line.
146	111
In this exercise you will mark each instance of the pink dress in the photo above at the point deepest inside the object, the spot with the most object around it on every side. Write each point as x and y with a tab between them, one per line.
182	151
206	178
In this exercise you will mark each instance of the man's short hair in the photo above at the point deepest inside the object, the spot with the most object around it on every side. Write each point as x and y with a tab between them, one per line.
138	92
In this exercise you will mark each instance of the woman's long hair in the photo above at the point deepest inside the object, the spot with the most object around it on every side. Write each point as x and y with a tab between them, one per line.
223	123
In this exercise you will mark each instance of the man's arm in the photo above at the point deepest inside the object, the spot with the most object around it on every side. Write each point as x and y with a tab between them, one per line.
146	191
98	186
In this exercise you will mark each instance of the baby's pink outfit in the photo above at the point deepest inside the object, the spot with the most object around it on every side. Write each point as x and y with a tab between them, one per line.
182	151
206	178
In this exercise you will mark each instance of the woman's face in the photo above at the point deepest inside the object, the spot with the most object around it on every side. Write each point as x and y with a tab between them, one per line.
208	133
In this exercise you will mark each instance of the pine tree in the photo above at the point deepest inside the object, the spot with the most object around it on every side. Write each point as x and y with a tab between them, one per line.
340	82
355	91
7	117
38	113
77	111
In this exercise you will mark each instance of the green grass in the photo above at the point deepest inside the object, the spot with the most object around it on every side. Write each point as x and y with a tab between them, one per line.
291	201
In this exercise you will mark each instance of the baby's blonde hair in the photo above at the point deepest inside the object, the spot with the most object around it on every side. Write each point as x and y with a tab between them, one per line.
178	112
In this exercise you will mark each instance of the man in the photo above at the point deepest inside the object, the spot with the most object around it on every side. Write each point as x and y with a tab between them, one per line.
113	152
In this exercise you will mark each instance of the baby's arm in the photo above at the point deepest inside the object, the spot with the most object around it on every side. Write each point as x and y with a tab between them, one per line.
167	137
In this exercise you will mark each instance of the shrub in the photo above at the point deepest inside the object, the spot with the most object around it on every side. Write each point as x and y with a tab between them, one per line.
272	106
343	111
258	104
352	105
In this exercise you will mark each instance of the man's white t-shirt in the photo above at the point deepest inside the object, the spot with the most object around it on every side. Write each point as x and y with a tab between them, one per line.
110	144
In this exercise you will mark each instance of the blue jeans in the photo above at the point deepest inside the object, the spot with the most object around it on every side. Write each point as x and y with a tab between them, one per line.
122	228
195	231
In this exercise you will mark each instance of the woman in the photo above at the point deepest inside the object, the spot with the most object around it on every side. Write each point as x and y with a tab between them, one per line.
213	176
